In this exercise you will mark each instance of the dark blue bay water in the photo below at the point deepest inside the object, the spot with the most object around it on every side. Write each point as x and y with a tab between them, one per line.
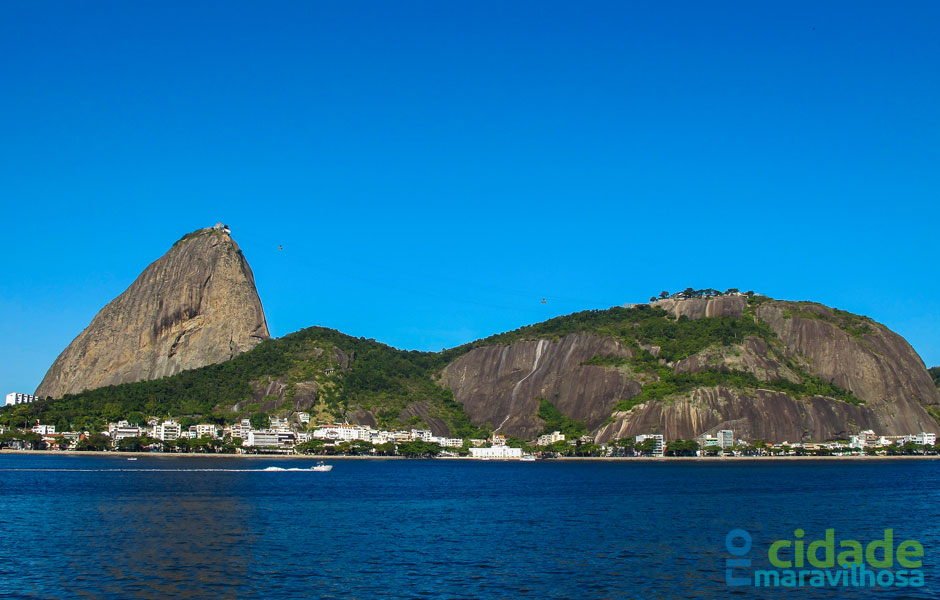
105	527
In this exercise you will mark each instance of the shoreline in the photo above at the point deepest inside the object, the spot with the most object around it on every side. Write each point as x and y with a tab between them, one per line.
638	459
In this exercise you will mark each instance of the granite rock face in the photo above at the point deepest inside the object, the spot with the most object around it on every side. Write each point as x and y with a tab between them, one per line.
696	308
500	385
195	306
873	362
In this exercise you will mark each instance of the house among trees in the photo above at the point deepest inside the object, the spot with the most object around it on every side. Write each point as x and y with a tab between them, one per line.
689	293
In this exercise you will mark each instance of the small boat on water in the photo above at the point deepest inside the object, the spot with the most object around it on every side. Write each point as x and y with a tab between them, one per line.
528	458
131	459
321	467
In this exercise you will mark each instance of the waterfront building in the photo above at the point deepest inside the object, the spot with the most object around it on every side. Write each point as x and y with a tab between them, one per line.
168	431
261	439
725	438
423	435
501	451
710	441
550	438
206	429
381	437
240	430
14	398
113	426
44	429
923	438
124	430
286	439
346	433
447	442
658	446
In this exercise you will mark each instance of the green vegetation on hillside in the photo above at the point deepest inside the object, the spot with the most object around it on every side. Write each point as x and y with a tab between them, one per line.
379	377
671	383
855	325
642	324
556	421
935	373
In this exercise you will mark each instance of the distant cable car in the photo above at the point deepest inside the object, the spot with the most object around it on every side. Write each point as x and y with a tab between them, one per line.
280	247
543	300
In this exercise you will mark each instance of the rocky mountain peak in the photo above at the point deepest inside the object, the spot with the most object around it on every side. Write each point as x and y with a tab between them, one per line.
196	305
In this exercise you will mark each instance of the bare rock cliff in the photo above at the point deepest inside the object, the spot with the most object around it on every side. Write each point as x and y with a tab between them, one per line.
500	385
197	305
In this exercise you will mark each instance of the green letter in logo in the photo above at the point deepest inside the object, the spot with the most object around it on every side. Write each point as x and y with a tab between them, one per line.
908	549
775	559
829	546
887	544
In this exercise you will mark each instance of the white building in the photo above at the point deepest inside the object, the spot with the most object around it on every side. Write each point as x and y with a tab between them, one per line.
382	437
709	441
44	429
725	438
658	442
304	417
120	432
205	429
168	431
113	426
496	452
423	435
240	430
262	439
447	442
923	438
550	438
344	433
15	398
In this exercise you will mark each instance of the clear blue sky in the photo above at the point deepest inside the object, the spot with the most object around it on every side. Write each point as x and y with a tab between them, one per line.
434	169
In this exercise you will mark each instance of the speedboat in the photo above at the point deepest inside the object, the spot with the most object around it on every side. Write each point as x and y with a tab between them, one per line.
131	458
527	458
321	467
